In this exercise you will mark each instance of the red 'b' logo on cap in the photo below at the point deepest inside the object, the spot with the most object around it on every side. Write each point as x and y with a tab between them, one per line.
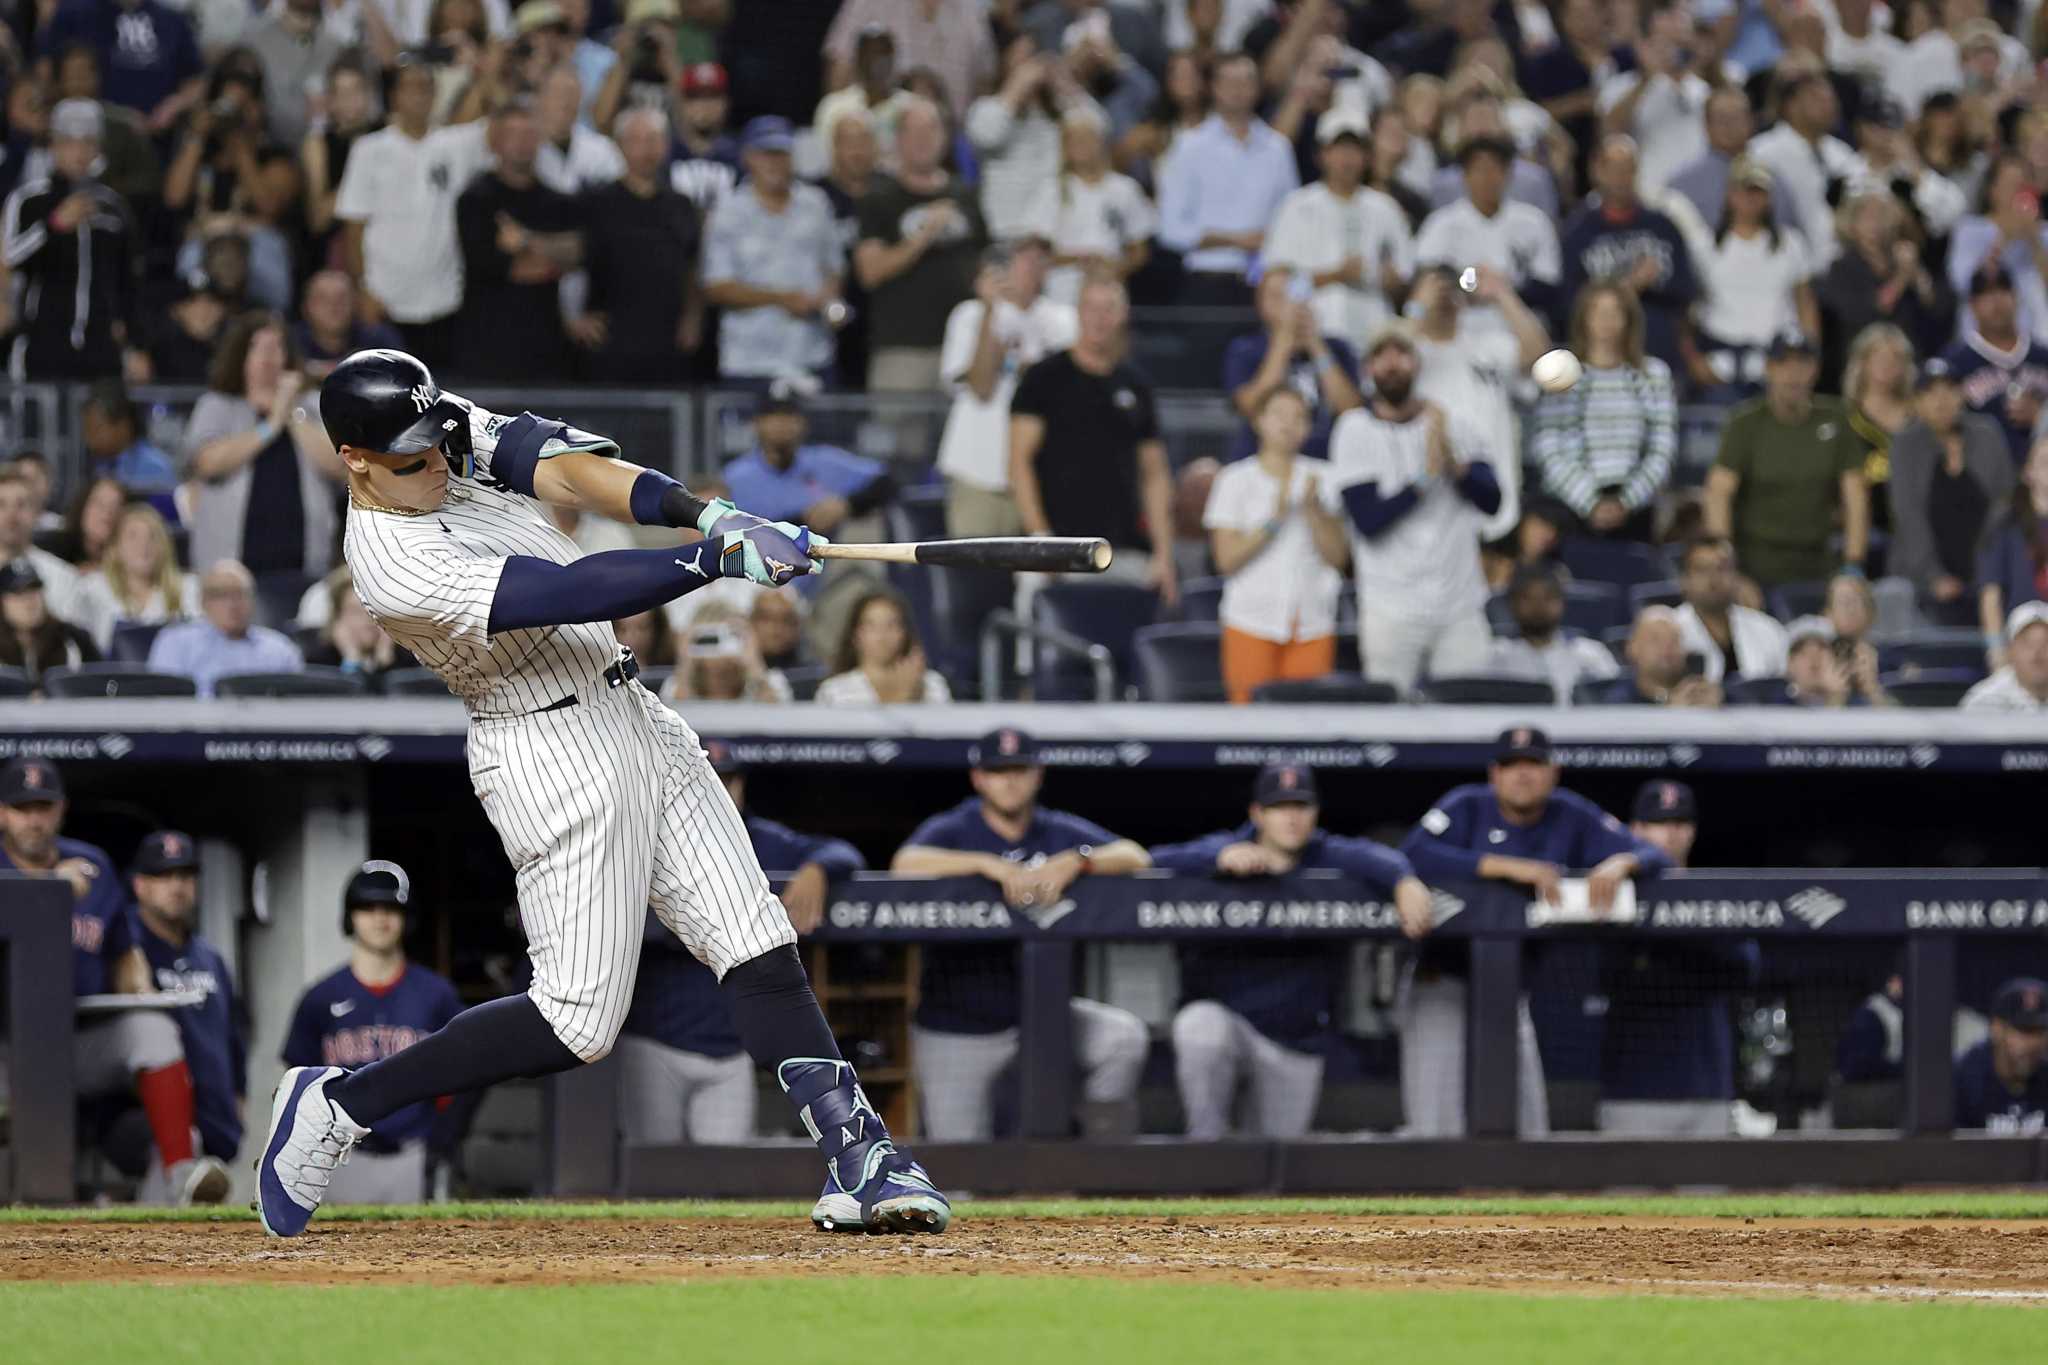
32	778
1521	738
1667	796
172	847
1007	742
1289	779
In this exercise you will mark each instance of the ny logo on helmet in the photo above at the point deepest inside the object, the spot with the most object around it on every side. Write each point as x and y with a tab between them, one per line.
422	397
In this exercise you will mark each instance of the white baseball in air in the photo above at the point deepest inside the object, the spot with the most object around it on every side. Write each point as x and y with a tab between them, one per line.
1556	371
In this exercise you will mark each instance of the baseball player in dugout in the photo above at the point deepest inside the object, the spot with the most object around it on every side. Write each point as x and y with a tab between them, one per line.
377	1005
1516	827
684	1075
118	1052
213	1028
602	796
1262	1013
965	1033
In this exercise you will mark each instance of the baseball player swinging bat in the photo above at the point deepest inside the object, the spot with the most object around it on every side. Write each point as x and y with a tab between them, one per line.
1017	554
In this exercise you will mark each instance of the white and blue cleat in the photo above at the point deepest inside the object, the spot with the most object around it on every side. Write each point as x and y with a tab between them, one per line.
310	1135
895	1195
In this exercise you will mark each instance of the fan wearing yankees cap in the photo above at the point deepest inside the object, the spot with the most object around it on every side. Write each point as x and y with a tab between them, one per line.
965	1035
686	1076
1667	1060
379	1004
214	1029
1261	1011
1516	827
127	1051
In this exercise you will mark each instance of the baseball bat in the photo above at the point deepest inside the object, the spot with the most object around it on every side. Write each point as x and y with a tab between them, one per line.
1015	554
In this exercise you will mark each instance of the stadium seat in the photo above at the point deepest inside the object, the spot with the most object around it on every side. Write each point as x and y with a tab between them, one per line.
1591	692
14	684
1757	692
316	680
1332	689
803	681
1912	655
1623	563
1180	662
1486	689
131	642
1107	613
413	682
1936	687
917	514
1201	598
947	608
115	680
1348	658
1790	601
307	638
1663	592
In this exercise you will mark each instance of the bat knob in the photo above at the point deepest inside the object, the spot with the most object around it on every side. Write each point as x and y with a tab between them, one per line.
1100	554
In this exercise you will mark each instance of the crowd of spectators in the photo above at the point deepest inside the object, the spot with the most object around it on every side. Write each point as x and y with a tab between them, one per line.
1824	220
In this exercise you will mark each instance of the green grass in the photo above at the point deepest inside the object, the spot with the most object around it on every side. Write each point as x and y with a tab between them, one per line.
991	1321
1911	1204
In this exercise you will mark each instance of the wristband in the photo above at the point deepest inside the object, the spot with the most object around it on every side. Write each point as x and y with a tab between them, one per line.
658	500
266	432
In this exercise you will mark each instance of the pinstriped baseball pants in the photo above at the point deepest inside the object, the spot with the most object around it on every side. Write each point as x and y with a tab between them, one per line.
606	808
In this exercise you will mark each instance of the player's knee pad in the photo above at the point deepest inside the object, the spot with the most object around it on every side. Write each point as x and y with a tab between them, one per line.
148	1040
1201	1026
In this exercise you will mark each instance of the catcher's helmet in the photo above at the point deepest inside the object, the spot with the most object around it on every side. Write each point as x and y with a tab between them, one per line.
387	401
379	883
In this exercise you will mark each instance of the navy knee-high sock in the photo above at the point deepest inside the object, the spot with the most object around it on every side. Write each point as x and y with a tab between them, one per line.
783	1029
495	1041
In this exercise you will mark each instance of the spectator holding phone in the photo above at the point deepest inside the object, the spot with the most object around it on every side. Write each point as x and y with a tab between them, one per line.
1735	641
1661	672
1292	351
1824	670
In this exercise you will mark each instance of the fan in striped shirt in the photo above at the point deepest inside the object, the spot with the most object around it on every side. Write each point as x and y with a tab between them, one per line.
1605	446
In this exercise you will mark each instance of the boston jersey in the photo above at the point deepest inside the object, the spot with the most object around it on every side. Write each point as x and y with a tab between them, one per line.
341	1021
216	1042
429	579
102	925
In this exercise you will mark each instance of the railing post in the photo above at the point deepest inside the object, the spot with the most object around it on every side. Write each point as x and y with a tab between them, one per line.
1930	1033
1492	1048
1045	1054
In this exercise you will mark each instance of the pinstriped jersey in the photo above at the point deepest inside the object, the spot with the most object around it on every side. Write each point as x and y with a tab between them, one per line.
428	580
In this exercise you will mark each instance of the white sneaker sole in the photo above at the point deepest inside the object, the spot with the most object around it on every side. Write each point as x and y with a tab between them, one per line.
906	1214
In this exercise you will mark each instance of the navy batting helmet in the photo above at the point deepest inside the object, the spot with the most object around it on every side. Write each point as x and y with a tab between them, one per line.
387	401
376	882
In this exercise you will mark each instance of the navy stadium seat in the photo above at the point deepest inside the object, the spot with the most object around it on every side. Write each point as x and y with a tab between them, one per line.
1912	655
1332	689
1487	689
1756	692
131	642
115	680
947	608
1107	614
804	680
14	684
1623	563
1201	598
316	680
1663	592
1180	662
413	682
1789	601
1937	687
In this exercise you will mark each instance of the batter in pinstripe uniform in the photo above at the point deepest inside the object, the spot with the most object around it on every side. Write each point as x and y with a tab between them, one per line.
602	795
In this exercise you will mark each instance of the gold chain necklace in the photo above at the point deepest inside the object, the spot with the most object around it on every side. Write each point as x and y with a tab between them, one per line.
358	500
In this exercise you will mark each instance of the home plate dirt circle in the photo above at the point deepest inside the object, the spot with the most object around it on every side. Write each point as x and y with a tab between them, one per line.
1964	1259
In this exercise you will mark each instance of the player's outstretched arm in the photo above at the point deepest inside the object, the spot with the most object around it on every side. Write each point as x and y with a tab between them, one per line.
533	592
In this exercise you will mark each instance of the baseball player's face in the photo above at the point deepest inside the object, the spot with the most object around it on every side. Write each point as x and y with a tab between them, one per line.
415	483
1673	836
1009	792
1523	785
378	928
1287	826
168	895
30	830
2020	1051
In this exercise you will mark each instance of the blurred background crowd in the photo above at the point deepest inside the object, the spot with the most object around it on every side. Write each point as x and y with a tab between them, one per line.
1800	240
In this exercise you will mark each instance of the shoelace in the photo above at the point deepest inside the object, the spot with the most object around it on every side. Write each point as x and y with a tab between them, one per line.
323	1155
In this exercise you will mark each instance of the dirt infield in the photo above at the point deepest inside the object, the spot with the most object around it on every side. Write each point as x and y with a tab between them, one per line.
1963	1259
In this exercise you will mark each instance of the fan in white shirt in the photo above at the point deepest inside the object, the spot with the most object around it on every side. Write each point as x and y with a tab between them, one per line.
991	339
1805	159
1860	46
1092	216
1471	368
1542	649
1714	625
2022	685
1756	283
1486	228
1280	550
880	659
1352	241
1660	104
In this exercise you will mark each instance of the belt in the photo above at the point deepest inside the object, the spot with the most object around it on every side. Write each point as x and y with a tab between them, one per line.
618	675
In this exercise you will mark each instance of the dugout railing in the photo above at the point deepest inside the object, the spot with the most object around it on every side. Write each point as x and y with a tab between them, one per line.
1929	913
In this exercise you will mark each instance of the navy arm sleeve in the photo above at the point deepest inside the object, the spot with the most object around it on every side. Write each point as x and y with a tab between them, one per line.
1368	860
835	856
1195	858
1372	513
601	587
1438	846
1480	486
